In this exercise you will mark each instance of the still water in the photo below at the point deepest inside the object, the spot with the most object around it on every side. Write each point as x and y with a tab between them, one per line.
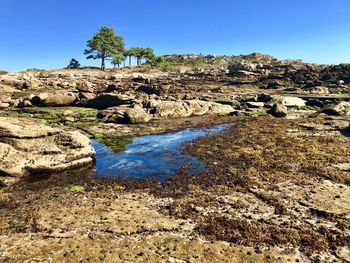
158	155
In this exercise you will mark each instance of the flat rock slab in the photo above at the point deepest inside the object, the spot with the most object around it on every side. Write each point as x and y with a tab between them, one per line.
331	198
27	147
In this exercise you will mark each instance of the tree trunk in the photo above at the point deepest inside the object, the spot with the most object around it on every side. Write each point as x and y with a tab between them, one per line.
103	63
103	57
138	61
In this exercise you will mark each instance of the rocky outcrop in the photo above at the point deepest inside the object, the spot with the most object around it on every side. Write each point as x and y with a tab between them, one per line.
106	100
341	108
28	148
188	108
289	101
53	99
125	114
136	115
278	110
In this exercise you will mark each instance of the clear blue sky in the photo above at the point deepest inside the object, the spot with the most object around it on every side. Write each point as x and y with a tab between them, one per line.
47	33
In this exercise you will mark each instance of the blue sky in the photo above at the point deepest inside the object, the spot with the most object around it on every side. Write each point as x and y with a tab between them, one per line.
47	33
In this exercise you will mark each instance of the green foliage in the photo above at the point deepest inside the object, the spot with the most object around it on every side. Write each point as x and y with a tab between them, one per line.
142	53
160	62
218	60
34	69
3	72
118	59
104	44
200	60
73	63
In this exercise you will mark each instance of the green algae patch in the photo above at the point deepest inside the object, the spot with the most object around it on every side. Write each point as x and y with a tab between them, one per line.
56	115
223	101
116	144
76	188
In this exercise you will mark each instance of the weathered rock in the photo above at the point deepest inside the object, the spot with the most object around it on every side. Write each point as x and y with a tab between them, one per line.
85	86
151	90
25	104
53	99
106	100
245	66
188	108
318	90
315	103
166	109
5	88
197	107
4	105
36	99
253	104
289	101
31	84
264	97
219	109
136	115
27	148
112	88
342	108
278	110
84	97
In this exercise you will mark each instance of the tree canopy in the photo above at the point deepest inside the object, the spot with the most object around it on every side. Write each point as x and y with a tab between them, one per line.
141	53
118	59
105	44
73	63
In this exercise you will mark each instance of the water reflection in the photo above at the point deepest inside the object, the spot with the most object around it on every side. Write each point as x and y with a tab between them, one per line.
152	154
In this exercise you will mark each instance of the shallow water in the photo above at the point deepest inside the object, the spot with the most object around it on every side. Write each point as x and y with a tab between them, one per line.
158	155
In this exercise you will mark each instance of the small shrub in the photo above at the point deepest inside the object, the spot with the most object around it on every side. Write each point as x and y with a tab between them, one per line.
35	69
161	63
200	60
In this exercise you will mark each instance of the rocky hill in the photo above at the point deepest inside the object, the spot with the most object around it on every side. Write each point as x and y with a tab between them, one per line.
274	188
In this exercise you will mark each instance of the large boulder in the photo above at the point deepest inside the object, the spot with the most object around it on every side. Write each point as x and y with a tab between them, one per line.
278	110
197	107
318	90
341	108
151	90
289	101
6	89
31	84
27	147
165	109
245	66
219	109
188	108
136	115
84	86
53	99
106	100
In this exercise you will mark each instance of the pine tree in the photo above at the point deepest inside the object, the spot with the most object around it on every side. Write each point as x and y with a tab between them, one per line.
104	45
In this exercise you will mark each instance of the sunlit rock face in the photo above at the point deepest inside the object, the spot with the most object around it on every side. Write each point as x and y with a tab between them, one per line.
27	147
